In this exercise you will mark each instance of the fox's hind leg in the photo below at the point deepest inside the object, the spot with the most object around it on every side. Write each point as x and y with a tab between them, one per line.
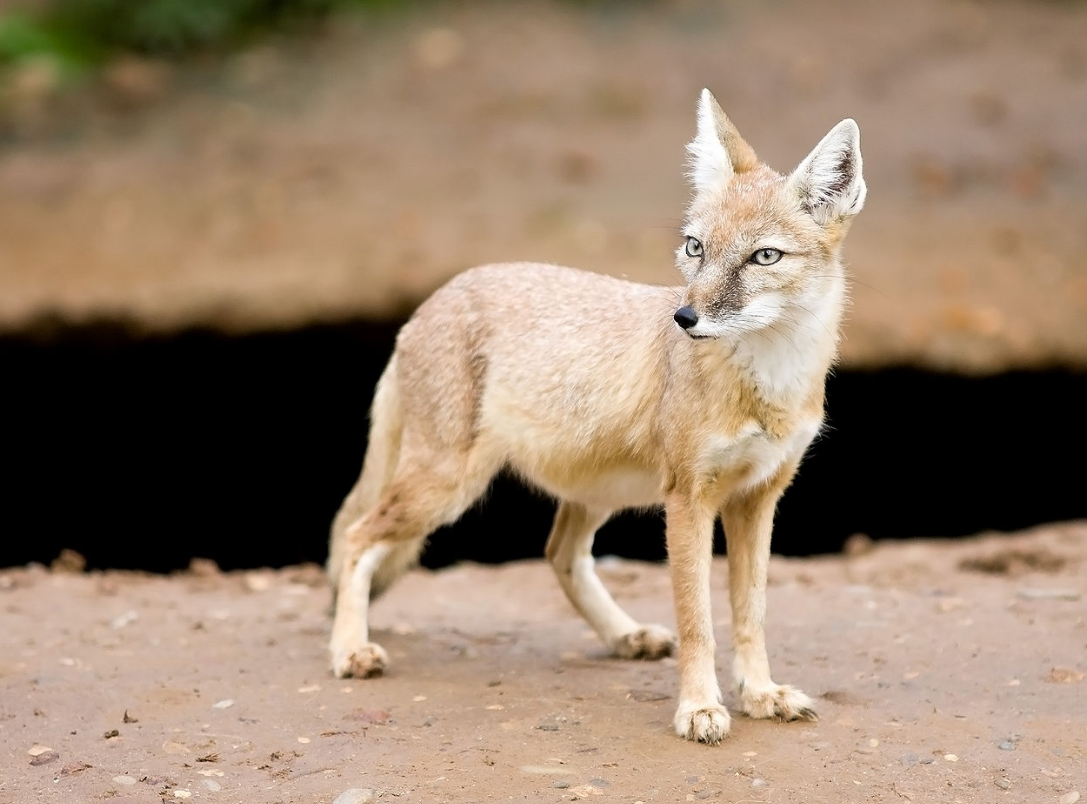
428	491
569	549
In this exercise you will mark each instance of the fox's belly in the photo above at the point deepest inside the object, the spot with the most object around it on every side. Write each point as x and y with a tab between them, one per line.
610	489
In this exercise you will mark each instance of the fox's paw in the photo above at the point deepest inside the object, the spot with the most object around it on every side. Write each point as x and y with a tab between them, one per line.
776	701
703	724
648	642
366	661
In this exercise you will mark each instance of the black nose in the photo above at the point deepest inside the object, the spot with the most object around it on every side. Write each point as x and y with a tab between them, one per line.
686	317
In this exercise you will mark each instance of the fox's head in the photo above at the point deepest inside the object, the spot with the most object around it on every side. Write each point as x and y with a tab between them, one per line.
760	250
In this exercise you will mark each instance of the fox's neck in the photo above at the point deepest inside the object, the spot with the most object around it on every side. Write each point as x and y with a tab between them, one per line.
784	359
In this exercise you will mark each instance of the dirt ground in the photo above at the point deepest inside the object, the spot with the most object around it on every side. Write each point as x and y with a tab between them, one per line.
944	672
349	174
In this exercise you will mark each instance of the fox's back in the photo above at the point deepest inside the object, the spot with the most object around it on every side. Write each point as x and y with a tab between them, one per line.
555	366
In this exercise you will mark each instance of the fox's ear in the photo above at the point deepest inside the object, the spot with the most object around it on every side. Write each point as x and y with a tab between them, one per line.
829	180
718	150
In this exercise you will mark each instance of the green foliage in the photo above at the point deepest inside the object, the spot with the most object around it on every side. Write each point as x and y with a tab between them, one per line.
78	35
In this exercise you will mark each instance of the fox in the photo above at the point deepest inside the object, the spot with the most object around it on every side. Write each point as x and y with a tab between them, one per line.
607	395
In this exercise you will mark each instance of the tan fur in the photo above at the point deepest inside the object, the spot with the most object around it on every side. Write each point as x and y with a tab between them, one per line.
586	387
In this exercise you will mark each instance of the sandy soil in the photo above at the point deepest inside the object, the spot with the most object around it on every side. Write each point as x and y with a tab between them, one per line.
350	174
944	672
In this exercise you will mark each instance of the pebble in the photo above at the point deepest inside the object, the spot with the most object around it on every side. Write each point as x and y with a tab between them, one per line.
182	794
44	758
121	620
757	782
1071	797
1003	784
1006	745
211	785
561	784
124	780
226	703
927	760
1048	594
38	750
909	759
355	795
951	758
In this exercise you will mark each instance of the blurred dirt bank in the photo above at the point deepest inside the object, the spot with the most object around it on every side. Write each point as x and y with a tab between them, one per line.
347	175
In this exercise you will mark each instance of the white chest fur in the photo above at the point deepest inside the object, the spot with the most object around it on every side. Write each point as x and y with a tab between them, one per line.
755	453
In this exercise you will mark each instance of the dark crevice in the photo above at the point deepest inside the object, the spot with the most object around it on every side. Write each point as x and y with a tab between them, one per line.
144	452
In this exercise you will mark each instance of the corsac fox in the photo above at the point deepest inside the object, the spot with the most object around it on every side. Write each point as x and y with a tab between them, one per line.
607	395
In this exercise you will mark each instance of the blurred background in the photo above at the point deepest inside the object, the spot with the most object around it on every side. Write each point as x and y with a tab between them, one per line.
215	214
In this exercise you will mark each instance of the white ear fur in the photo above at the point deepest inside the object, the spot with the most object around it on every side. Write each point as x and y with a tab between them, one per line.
829	181
718	150
710	165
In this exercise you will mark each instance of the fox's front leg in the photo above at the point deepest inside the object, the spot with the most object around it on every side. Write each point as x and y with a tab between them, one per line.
700	715
748	522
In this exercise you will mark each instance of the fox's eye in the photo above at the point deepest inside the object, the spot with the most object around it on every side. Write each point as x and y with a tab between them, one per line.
694	247
765	256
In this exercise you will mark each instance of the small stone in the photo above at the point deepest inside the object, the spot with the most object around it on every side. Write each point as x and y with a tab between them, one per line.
908	759
226	703
170	747
858	544
183	794
1006	745
757	782
304	740
38	750
211	785
310	688
355	795
121	620
927	760
1003	784
951	758
69	561
45	758
873	743
1064	675
204	568
258	582
419	698
1048	594
703	794
1071	797
127	781
561	784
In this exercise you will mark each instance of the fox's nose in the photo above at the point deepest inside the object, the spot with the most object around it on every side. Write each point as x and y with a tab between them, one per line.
686	317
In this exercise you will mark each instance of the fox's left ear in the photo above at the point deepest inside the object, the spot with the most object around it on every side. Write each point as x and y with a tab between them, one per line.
829	180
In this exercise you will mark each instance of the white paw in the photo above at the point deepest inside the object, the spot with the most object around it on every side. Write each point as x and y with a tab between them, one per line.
365	661
648	642
776	701
703	724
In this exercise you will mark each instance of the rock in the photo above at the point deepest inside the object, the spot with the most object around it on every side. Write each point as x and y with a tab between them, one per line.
1064	675
1071	797
355	795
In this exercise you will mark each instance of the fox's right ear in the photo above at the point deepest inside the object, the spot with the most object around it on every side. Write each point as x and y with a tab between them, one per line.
829	181
718	150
